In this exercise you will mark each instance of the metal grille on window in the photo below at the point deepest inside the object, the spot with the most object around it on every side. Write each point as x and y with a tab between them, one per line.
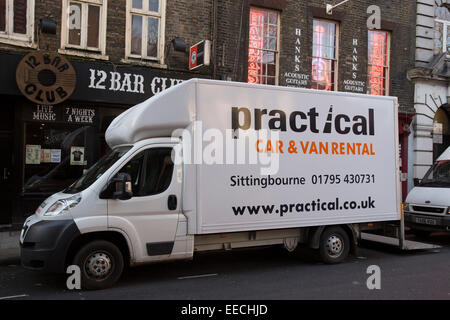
324	59
378	69
263	46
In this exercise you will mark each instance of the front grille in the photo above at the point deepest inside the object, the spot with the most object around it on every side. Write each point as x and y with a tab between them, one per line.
429	209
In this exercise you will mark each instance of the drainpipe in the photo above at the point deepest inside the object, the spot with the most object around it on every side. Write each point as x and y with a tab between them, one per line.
214	38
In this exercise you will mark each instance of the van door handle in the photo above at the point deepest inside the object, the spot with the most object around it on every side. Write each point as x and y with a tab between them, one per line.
172	202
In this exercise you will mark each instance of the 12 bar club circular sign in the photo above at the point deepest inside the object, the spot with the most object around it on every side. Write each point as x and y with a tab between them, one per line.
45	78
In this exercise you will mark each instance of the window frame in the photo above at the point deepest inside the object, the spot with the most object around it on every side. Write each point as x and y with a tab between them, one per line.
161	16
66	46
388	63
336	53
445	25
8	36
143	170
277	52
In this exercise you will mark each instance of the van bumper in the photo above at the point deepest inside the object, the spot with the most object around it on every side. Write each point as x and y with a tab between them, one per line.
431	223
46	243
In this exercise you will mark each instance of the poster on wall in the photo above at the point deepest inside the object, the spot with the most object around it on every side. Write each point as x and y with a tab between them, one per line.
77	156
32	154
55	155
45	155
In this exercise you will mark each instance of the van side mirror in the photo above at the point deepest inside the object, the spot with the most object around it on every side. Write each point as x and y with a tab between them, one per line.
123	191
416	182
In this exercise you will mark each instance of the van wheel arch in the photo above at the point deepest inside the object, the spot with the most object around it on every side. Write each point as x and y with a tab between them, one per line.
114	237
315	233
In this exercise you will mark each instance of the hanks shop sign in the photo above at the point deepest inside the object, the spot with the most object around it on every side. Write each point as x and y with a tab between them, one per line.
121	85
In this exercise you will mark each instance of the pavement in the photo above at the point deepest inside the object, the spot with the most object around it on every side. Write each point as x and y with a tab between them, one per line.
9	247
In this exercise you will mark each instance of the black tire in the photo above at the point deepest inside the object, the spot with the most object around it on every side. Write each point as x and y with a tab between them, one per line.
421	233
334	245
101	264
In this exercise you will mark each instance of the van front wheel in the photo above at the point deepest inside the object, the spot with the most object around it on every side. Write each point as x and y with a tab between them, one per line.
101	264
334	245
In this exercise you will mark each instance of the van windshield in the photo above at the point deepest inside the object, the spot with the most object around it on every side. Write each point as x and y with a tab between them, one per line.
97	170
438	176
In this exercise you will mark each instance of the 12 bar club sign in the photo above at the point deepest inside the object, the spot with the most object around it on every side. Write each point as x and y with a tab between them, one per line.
125	85
45	78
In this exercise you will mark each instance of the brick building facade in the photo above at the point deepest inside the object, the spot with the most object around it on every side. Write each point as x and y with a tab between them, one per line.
122	53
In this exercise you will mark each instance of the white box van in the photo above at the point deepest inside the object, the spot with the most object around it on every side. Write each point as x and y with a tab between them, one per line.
211	165
427	206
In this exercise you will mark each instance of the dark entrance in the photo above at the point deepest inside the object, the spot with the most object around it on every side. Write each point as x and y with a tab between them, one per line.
441	131
6	163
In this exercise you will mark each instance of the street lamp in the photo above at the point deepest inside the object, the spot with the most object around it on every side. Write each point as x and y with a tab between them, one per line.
330	7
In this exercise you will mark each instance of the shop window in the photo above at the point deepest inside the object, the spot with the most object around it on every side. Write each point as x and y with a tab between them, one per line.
85	25
378	63
57	153
263	46
150	171
16	21
324	55
145	29
442	30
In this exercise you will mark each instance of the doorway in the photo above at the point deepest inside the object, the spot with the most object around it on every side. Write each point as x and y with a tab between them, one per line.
441	131
6	163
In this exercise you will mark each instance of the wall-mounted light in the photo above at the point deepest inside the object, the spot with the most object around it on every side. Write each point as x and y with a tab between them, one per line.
179	44
48	26
330	7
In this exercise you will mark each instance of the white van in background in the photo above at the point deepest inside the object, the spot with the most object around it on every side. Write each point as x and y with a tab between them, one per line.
427	206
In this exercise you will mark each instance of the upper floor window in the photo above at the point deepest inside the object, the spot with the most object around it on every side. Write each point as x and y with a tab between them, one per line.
325	55
442	30
145	29
378	63
84	25
263	46
16	21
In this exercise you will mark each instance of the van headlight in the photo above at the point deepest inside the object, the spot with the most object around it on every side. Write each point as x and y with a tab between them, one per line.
62	206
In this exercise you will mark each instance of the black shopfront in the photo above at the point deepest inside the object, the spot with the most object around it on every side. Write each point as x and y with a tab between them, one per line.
45	147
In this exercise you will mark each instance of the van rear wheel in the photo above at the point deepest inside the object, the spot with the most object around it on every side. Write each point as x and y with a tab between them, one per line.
334	245
101	264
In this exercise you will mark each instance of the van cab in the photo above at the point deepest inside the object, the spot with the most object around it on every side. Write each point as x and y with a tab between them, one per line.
427	206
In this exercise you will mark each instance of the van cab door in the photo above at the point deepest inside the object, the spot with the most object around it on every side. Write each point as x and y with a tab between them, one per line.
150	217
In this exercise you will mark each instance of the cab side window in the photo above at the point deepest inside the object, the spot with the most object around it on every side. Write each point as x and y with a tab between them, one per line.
151	171
158	171
134	169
